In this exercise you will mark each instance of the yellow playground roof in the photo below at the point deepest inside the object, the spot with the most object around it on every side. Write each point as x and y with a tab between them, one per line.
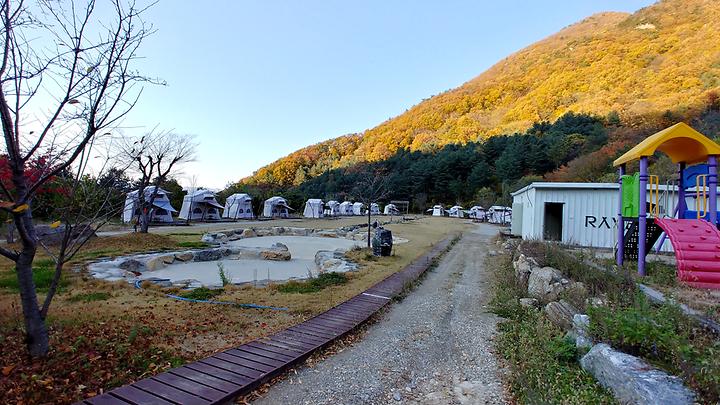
680	141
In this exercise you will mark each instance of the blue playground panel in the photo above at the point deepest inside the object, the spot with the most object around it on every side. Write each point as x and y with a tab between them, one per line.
693	215
691	173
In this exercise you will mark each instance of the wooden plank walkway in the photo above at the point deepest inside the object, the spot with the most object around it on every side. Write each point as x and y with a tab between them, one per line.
226	375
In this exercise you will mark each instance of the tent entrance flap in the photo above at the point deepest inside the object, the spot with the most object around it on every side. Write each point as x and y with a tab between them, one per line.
164	205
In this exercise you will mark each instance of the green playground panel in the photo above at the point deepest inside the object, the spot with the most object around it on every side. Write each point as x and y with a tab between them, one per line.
630	195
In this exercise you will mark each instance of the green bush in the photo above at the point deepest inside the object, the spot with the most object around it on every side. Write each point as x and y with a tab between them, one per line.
314	284
43	273
543	365
201	293
89	297
665	337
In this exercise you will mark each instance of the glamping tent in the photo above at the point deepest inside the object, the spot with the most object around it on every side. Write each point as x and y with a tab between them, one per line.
456	211
499	215
313	208
332	208
374	209
477	212
346	208
161	210
238	206
437	211
276	207
200	205
357	208
391	209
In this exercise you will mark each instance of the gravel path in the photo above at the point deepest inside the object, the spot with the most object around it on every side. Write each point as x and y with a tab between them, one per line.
433	347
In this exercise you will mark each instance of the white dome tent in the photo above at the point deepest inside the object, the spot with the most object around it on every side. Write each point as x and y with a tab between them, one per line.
357	208
332	208
200	205
391	209
313	208
477	212
374	209
276	207
437	211
161	210
456	211
238	206
346	208
498	214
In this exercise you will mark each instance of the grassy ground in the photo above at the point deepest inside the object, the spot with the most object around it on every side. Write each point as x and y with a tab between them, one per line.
107	334
542	365
662	335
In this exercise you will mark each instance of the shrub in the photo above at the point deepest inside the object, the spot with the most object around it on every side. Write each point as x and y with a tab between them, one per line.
314	284
201	293
89	297
221	272
665	337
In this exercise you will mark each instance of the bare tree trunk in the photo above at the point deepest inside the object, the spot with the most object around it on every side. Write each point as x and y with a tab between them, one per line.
36	333
144	222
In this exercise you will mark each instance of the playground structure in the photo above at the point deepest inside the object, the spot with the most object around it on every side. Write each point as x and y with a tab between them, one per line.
693	233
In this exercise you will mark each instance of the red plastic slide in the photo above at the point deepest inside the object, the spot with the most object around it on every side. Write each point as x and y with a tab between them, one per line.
697	248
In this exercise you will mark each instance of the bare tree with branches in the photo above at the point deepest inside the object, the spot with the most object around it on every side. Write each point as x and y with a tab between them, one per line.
65	79
371	188
154	157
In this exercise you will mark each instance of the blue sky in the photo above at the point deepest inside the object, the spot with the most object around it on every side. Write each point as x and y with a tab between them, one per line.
256	80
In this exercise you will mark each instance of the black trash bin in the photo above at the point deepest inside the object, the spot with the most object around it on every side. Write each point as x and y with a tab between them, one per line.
382	242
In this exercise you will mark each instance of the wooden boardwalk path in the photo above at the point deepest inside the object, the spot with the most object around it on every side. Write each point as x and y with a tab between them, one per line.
226	375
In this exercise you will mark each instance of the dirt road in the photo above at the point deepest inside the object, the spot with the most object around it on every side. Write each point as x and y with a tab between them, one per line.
434	347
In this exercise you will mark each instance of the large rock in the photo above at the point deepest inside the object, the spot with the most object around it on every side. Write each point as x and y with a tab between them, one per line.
207	255
326	234
546	283
327	261
561	313
581	324
248	233
184	257
133	265
214	238
632	380
156	263
276	253
528	302
523	266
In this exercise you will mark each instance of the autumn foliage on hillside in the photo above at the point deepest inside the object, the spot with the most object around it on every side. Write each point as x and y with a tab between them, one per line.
635	68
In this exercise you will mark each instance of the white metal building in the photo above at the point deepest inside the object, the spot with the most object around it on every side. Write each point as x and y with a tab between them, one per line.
200	205
374	209
313	208
238	206
582	214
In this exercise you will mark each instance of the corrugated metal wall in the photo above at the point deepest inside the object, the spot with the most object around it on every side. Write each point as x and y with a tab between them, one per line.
589	215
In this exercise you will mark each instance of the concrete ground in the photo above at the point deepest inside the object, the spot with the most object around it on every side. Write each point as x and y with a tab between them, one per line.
433	347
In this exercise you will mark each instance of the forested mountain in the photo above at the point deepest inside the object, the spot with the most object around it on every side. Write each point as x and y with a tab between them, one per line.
638	70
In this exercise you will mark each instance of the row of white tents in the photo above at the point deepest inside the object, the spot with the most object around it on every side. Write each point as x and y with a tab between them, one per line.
496	214
201	205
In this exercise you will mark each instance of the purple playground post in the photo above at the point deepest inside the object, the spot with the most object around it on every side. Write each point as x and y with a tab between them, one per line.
642	215
712	185
620	223
681	205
